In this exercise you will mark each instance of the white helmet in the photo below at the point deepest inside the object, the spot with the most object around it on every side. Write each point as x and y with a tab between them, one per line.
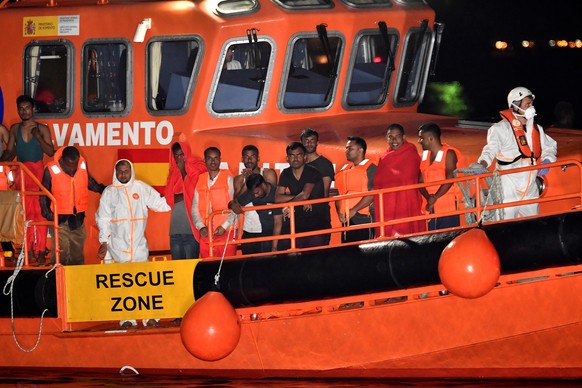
518	94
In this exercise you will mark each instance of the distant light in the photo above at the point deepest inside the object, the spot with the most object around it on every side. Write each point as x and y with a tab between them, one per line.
562	43
571	44
527	43
321	59
552	43
377	59
500	45
578	43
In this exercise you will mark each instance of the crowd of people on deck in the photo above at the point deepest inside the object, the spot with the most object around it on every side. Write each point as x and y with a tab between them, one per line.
196	187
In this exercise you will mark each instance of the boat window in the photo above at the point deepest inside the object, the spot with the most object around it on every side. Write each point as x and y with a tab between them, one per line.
171	68
367	3
371	68
48	69
228	8
304	4
242	79
105	78
311	72
414	65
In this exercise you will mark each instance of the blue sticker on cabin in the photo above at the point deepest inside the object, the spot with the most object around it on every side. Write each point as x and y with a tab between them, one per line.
1	106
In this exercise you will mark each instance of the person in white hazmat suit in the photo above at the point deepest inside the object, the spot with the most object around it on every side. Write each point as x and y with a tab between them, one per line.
517	141
122	217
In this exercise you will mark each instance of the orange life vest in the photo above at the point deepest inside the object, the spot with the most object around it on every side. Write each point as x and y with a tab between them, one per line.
217	195
437	171
519	133
353	179
71	192
4	177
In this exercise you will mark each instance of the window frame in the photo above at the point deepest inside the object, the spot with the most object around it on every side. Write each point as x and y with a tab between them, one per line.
70	77
128	78
422	76
218	72
308	7
286	65
193	76
353	58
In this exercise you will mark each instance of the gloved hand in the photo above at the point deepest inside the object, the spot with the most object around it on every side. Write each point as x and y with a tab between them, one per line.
544	171
478	168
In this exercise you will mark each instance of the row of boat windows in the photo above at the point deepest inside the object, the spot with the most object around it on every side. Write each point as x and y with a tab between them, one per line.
242	78
227	8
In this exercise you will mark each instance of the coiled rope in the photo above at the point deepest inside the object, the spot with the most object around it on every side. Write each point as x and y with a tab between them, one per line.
491	196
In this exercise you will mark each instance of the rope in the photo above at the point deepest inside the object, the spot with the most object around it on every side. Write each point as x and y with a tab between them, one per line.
492	196
217	276
9	290
128	368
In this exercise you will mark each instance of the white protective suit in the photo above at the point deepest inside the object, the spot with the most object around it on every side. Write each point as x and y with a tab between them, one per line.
501	145
122	218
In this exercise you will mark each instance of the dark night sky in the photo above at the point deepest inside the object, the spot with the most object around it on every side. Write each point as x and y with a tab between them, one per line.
468	55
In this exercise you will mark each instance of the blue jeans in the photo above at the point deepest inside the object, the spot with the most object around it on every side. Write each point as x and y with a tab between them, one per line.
444	222
184	246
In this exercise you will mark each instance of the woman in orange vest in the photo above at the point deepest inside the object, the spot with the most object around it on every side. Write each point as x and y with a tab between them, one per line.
438	162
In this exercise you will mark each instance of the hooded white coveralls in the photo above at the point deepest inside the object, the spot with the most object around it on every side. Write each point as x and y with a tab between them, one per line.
122	218
501	145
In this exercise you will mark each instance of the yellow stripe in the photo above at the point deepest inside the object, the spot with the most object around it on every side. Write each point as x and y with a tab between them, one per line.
154	174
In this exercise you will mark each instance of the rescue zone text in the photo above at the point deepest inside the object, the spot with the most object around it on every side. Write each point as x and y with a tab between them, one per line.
139	279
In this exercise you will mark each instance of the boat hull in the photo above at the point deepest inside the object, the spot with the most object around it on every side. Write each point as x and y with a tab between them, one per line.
528	326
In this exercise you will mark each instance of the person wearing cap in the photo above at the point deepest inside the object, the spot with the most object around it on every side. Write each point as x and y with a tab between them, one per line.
517	141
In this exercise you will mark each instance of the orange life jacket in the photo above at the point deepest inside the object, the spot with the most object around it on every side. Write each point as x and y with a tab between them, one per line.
353	179
437	171
4	177
519	133
71	192
217	195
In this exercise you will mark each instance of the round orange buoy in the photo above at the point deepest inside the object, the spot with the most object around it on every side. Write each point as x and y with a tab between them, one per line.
469	266
210	328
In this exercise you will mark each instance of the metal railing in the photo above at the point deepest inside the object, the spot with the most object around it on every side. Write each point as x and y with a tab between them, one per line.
573	199
25	173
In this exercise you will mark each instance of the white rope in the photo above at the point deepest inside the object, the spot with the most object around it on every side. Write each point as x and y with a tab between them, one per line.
129	368
9	290
217	276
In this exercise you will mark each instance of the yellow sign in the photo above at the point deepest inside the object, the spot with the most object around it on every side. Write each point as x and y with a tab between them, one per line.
105	292
64	25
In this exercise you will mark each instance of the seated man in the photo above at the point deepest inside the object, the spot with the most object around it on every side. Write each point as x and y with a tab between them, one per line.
259	193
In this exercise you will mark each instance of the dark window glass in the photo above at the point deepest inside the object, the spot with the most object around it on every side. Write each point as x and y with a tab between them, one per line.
170	73
312	73
413	66
47	77
242	78
370	74
105	77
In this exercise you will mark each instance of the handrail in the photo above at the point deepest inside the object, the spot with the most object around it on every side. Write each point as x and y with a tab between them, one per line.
24	171
477	180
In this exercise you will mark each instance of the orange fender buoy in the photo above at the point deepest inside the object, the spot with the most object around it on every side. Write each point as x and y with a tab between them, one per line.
469	266
210	328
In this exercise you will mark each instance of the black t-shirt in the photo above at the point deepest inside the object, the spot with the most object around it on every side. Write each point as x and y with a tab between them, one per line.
318	217
265	216
324	166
